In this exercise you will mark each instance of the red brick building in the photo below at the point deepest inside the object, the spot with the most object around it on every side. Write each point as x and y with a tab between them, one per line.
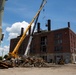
51	45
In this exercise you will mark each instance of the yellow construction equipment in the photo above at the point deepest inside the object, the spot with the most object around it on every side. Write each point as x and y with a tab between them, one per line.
15	51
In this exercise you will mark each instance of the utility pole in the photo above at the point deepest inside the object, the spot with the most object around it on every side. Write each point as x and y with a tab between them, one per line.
2	3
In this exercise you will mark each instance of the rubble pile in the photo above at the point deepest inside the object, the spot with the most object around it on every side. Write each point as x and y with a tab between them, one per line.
27	62
5	65
33	62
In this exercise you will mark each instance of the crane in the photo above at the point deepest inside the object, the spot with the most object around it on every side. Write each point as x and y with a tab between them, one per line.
14	53
31	36
2	2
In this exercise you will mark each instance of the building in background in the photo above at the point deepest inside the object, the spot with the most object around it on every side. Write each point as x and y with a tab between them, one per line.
51	45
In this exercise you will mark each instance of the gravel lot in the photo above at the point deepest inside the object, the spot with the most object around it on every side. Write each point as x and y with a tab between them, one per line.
69	69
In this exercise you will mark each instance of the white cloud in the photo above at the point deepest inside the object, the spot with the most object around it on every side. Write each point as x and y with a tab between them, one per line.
13	32
15	29
4	50
12	35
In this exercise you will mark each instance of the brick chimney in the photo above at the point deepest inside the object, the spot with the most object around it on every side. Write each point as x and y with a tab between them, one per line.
68	24
22	30
38	27
29	31
48	25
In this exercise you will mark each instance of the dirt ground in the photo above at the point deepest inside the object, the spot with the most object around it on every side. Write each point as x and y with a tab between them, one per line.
69	69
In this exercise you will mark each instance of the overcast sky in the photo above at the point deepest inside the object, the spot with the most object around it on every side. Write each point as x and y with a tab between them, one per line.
19	13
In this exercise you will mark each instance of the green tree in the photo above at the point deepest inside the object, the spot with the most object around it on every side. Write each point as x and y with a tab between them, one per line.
5	56
0	57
